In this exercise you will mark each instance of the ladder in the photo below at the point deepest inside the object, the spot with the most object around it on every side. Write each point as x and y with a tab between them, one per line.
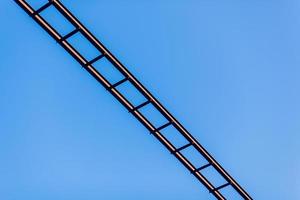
135	110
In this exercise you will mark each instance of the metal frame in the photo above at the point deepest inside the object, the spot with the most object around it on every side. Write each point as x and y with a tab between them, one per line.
134	110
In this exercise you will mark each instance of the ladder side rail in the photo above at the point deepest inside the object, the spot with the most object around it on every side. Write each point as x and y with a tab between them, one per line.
148	95
75	54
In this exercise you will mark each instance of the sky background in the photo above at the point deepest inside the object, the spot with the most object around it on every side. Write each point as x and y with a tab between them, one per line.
228	70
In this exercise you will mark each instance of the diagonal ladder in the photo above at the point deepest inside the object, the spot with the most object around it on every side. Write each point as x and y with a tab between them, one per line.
135	110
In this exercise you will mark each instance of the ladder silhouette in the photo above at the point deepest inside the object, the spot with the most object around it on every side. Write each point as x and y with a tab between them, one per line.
135	110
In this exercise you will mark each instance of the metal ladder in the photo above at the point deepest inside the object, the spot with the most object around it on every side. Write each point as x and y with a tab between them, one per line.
135	110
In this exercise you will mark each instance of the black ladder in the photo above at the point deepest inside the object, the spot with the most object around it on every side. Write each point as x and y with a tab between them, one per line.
134	109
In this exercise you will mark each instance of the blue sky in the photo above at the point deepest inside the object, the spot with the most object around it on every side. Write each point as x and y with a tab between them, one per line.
229	71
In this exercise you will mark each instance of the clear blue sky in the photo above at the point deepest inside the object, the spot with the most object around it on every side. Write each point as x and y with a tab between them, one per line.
229	71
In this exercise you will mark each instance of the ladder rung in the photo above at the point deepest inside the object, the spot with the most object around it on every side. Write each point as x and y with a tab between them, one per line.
43	8
95	59
203	167
162	127
119	83
70	34
183	147
220	187
141	105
